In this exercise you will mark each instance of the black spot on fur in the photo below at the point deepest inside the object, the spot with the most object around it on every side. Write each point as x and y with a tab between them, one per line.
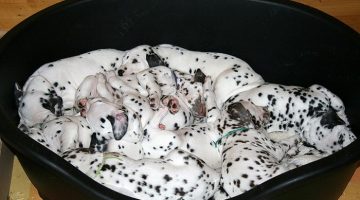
330	119
199	76
121	72
154	60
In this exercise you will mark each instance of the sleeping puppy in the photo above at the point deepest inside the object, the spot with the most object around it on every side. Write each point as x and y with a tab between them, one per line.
315	113
153	83
249	157
177	176
224	69
38	102
107	119
50	90
92	87
62	133
195	138
138	59
230	74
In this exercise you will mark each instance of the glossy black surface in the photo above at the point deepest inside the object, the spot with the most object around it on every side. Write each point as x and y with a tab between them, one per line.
283	41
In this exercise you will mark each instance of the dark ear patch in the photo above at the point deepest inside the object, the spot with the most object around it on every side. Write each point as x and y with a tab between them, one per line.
97	145
330	119
199	76
154	60
54	103
238	112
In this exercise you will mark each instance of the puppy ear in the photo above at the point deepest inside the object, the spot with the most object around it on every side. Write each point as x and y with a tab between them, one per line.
199	76
330	119
119	123
154	59
238	111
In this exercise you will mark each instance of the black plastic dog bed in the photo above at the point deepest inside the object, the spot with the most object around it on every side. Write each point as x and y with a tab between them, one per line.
283	41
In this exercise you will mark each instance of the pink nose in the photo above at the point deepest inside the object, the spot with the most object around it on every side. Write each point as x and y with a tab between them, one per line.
82	103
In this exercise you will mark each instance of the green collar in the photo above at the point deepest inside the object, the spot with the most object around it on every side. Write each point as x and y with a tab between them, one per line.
218	141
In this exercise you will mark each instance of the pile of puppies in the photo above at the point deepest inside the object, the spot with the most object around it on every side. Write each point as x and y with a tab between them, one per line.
164	122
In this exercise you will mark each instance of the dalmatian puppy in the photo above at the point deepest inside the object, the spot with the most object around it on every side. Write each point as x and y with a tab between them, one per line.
138	59
315	113
177	176
195	138
158	143
107	119
38	102
62	133
153	83
115	128
226	70
232	75
92	87
249	157
50	90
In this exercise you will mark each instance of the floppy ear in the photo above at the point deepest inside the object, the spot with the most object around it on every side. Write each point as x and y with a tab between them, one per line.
199	76
238	111
330	119
119	123
154	60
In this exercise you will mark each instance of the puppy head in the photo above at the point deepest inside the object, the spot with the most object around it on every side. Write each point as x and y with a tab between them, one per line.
328	132
107	119
138	59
